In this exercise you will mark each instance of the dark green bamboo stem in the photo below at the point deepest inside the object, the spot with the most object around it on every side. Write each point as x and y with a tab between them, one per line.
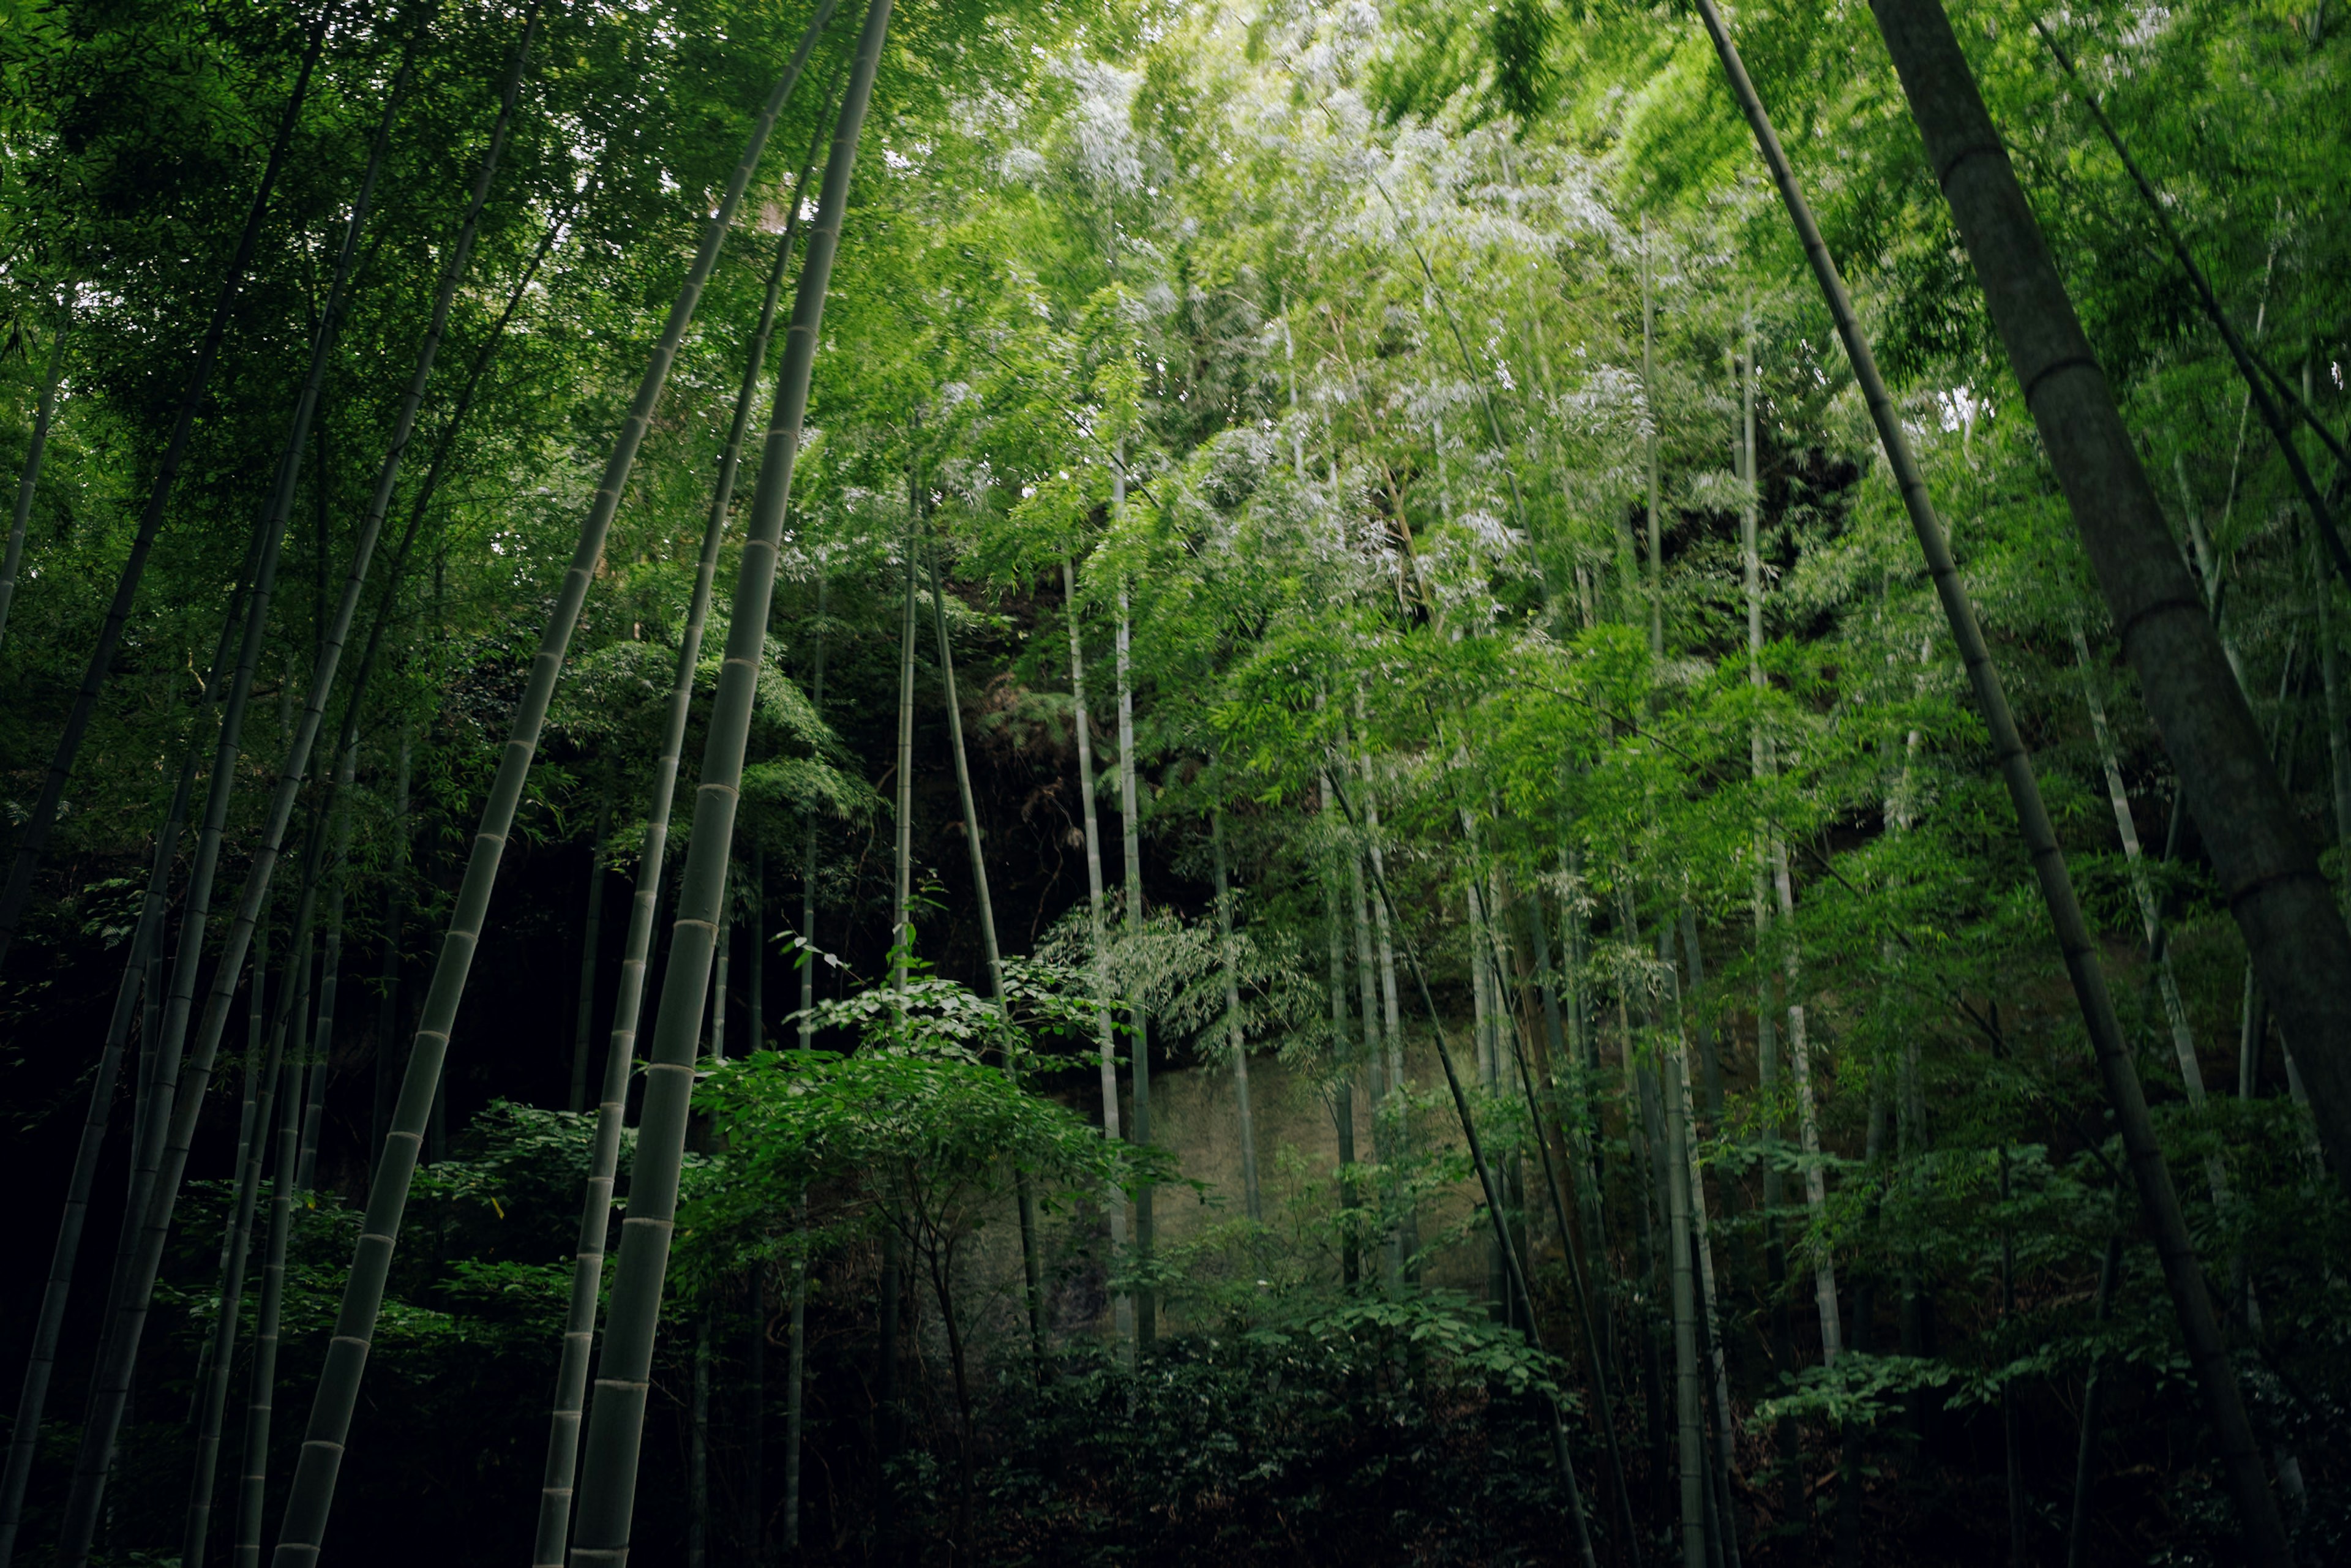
592	931
140	973
126	1316
616	1417
1960	137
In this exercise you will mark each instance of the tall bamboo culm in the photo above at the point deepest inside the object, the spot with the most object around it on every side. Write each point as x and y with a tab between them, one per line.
596	1202
2216	1378
616	1417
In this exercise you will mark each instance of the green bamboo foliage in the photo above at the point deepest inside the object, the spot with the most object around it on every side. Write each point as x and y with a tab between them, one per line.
312	1492
616	1419
2215	1376
33	838
157	1185
552	1535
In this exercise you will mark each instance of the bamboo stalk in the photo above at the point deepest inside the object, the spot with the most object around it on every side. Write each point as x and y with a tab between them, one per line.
1032	1267
338	1392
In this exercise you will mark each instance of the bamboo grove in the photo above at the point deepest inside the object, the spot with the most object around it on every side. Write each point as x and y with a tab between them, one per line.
944	782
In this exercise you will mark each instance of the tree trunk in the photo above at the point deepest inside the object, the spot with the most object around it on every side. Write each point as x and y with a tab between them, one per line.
697	1451
2195	699
213	1374
616	1418
808	850
1688	1423
2283	906
1649	455
901	938
2094	1399
395	916
754	1434
551	1537
1106	1041
27	487
1237	1037
337	1390
35	836
795	1383
1146	1309
755	996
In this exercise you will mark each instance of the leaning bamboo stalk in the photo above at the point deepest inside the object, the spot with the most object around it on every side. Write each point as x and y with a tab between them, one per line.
253	1480
591	932
213	1384
331	963
550	1539
1604	1414
138	973
2208	1354
34	837
616	1418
